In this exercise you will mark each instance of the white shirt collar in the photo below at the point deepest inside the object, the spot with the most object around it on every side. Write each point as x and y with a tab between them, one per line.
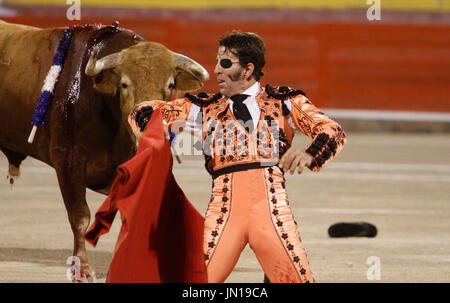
253	90
251	103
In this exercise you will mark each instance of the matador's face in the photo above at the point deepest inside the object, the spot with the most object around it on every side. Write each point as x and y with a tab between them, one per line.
230	79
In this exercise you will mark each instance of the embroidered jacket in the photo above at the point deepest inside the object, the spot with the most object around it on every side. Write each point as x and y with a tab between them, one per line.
228	147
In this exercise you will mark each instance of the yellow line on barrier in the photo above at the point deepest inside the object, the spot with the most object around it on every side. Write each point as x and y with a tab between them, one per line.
420	5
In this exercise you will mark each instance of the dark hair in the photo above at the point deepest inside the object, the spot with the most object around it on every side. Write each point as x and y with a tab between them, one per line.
248	47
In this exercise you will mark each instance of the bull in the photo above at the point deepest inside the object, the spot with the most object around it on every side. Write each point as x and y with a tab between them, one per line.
107	71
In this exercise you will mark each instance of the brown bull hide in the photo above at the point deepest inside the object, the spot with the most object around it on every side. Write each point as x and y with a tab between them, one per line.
86	134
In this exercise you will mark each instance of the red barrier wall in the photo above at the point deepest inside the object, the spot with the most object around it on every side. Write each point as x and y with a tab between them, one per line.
351	66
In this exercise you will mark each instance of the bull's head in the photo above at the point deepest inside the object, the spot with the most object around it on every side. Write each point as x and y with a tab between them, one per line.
145	71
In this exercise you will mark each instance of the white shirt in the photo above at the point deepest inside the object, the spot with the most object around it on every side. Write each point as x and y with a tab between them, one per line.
250	102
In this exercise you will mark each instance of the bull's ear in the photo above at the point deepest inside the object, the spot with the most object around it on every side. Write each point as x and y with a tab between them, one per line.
107	82
186	82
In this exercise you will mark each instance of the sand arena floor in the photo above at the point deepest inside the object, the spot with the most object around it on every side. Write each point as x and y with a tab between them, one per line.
399	182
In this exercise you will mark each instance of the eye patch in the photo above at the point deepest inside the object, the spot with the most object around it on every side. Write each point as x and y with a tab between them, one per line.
226	63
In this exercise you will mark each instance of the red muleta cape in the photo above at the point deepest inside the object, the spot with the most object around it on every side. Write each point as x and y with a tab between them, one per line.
161	239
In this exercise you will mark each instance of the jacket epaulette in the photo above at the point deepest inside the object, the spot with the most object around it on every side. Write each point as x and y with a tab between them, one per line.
202	98
283	92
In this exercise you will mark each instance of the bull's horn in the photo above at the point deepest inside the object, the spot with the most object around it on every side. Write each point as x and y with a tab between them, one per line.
192	67
94	66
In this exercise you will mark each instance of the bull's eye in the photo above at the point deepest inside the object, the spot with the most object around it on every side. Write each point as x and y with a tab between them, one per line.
124	85
171	85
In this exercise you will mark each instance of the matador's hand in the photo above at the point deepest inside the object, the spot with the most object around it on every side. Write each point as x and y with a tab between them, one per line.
294	158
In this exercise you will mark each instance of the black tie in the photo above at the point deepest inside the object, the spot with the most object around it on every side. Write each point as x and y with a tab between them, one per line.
241	112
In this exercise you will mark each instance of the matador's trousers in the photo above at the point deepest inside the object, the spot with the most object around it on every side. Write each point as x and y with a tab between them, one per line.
251	206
